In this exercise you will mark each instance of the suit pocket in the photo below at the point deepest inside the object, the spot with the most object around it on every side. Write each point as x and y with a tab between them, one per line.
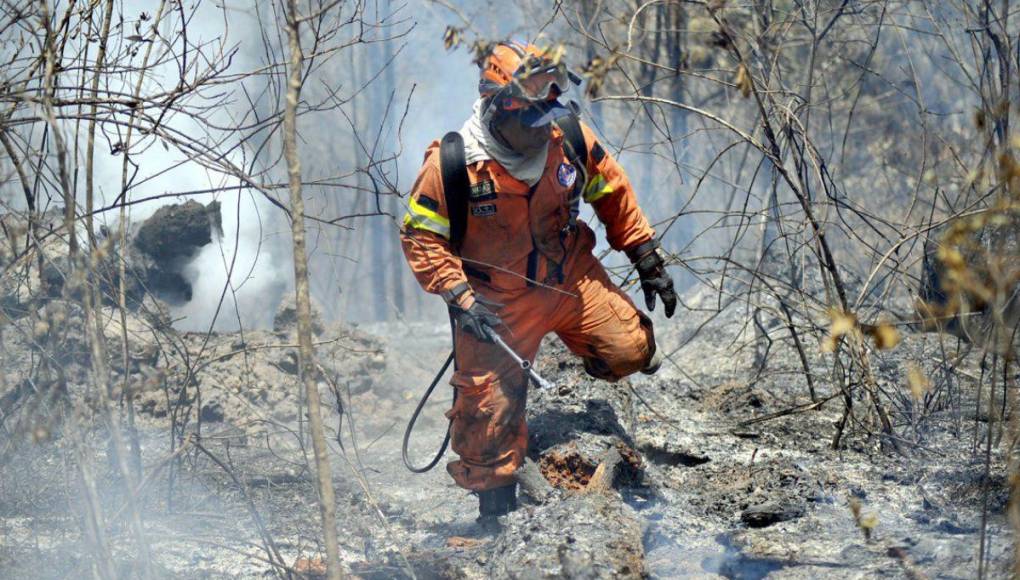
473	414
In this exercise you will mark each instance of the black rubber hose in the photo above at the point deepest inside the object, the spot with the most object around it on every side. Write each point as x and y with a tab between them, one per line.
414	418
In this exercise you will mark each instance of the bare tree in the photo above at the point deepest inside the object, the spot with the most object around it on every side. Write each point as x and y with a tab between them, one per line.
327	502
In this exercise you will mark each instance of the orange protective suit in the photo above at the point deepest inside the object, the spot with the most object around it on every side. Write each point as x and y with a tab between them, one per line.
515	253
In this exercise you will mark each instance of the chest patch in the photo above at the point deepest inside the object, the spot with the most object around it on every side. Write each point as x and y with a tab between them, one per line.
566	174
483	210
483	191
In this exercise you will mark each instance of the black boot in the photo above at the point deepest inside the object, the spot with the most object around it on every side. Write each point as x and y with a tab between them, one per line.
496	502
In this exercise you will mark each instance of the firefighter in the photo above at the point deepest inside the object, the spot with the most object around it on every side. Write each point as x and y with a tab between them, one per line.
523	266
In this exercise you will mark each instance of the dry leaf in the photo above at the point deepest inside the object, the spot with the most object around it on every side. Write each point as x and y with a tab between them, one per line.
950	257
451	37
885	335
866	521
555	54
918	382
744	81
869	521
842	324
595	73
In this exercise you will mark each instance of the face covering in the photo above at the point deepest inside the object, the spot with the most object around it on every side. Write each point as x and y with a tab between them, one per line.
480	144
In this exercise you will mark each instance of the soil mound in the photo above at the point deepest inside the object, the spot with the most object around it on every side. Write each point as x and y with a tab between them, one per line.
252	384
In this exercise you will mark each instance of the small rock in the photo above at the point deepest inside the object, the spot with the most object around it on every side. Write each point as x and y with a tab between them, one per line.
768	513
212	412
288	363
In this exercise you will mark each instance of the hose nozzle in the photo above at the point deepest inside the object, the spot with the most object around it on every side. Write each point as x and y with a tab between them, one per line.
524	364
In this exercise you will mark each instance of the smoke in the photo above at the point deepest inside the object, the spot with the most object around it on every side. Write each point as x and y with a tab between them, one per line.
239	278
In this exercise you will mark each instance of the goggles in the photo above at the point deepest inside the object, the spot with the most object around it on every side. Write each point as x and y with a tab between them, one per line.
536	81
539	82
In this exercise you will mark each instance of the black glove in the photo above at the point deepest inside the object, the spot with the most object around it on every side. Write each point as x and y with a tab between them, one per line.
651	267
478	320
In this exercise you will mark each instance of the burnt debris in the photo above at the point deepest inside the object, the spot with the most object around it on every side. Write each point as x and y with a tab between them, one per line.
169	239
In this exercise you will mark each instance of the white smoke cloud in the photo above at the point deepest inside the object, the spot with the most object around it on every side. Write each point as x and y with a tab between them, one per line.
248	265
241	266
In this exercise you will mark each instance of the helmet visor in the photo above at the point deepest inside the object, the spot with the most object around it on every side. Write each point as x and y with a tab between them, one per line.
541	114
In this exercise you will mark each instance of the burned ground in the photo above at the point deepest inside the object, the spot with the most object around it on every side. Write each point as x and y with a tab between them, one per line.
713	481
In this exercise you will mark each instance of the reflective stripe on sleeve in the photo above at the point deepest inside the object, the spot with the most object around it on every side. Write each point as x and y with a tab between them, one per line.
422	218
596	189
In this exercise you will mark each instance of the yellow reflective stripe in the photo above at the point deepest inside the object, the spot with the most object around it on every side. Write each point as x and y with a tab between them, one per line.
423	211
423	223
422	218
596	189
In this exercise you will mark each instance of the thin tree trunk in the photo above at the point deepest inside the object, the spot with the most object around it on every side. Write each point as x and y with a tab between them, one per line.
327	501
58	135
136	453
95	527
93	315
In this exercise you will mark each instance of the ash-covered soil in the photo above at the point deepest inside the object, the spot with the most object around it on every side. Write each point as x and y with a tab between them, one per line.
713	481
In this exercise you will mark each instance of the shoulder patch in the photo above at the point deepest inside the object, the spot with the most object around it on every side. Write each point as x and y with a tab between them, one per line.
483	210
566	174
483	190
428	203
597	152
